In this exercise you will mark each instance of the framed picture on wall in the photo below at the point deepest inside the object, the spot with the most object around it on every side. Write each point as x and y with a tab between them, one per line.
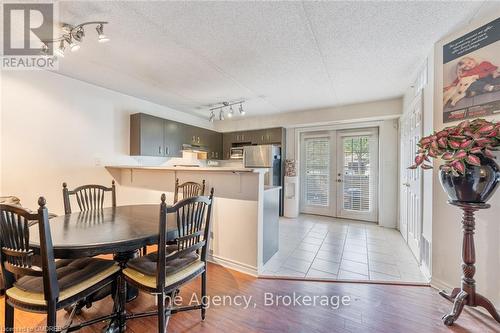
471	74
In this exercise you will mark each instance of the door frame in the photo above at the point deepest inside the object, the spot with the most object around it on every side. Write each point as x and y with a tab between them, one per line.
330	211
360	126
414	243
374	143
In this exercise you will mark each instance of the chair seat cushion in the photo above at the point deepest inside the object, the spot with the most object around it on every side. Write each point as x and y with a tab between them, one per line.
74	276
170	279
69	273
147	264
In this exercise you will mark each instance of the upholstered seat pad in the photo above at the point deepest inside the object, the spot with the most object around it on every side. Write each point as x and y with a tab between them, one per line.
69	273
38	298
170	279
147	264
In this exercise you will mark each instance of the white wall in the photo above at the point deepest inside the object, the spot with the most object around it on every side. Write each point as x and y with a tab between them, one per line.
446	226
384	109
57	129
382	114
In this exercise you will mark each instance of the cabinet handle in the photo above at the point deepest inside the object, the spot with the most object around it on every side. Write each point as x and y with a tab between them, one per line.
198	139
194	139
159	150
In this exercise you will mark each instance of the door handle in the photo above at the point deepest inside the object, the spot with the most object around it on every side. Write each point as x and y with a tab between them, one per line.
406	184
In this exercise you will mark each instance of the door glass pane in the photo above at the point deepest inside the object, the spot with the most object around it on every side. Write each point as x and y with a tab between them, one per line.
317	171
356	191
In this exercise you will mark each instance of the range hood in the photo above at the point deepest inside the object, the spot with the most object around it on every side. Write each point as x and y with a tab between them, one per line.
194	148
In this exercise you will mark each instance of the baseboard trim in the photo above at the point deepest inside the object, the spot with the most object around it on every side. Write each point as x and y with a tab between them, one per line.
232	264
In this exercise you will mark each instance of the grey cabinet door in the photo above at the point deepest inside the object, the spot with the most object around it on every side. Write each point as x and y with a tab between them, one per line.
227	142
274	135
146	135
214	144
173	138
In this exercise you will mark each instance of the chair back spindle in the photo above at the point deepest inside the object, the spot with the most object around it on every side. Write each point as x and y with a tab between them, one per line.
88	197
188	189
193	217
15	253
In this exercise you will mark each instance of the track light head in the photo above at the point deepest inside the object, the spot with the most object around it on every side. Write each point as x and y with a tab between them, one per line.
73	46
221	114
45	50
230	112
60	50
101	37
212	117
242	112
79	34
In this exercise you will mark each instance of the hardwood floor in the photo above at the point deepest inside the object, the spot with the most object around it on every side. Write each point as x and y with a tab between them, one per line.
373	308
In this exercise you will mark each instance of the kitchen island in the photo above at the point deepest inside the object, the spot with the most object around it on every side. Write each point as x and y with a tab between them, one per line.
245	214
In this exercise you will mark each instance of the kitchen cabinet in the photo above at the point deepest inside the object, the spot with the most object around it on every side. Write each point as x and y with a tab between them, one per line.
173	138
147	135
227	141
154	136
254	137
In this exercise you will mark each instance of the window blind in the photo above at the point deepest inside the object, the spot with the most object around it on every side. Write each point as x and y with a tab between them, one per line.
357	185
317	171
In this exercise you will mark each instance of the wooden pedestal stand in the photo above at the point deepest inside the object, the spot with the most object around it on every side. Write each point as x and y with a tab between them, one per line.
466	295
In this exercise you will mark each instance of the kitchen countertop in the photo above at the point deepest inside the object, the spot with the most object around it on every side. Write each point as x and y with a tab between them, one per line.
186	168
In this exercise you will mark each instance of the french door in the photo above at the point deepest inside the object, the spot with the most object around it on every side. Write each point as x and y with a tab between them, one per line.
316	173
410	219
339	172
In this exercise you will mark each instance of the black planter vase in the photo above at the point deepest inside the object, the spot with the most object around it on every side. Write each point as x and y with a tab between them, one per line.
477	185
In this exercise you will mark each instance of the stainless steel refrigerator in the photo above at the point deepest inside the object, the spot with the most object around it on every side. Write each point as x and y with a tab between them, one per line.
266	156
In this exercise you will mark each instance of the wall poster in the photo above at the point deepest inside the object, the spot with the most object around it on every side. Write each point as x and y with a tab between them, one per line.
471	74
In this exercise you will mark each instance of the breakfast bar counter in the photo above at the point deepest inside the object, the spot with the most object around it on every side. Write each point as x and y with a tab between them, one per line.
243	207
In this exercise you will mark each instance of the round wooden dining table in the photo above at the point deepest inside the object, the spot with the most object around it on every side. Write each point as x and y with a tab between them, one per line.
111	230
120	231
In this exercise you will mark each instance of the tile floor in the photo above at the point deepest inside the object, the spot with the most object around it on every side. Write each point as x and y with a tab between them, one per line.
322	247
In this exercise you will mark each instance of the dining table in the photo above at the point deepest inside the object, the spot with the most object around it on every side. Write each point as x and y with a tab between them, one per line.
120	231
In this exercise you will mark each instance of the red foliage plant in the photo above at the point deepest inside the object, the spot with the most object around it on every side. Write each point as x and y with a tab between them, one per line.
459	145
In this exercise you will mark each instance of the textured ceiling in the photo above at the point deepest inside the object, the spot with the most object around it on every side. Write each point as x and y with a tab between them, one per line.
280	56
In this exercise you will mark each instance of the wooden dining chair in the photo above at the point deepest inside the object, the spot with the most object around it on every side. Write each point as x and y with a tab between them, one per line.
178	264
188	189
51	285
88	197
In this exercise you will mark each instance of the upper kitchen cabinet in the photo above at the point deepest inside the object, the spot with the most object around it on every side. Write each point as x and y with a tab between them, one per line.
269	136
147	135
255	137
154	136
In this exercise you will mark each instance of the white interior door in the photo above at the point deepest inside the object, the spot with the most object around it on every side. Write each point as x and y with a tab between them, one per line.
357	166
404	155
316	173
411	180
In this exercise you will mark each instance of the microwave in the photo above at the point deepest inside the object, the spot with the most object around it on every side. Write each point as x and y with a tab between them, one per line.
236	153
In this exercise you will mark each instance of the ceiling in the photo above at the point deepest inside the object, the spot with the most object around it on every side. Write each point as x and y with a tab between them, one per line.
279	56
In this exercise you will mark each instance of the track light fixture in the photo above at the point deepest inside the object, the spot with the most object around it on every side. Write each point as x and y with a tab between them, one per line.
60	50
221	106
73	36
101	37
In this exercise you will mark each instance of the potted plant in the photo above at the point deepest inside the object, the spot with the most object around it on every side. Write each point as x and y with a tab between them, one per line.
469	173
